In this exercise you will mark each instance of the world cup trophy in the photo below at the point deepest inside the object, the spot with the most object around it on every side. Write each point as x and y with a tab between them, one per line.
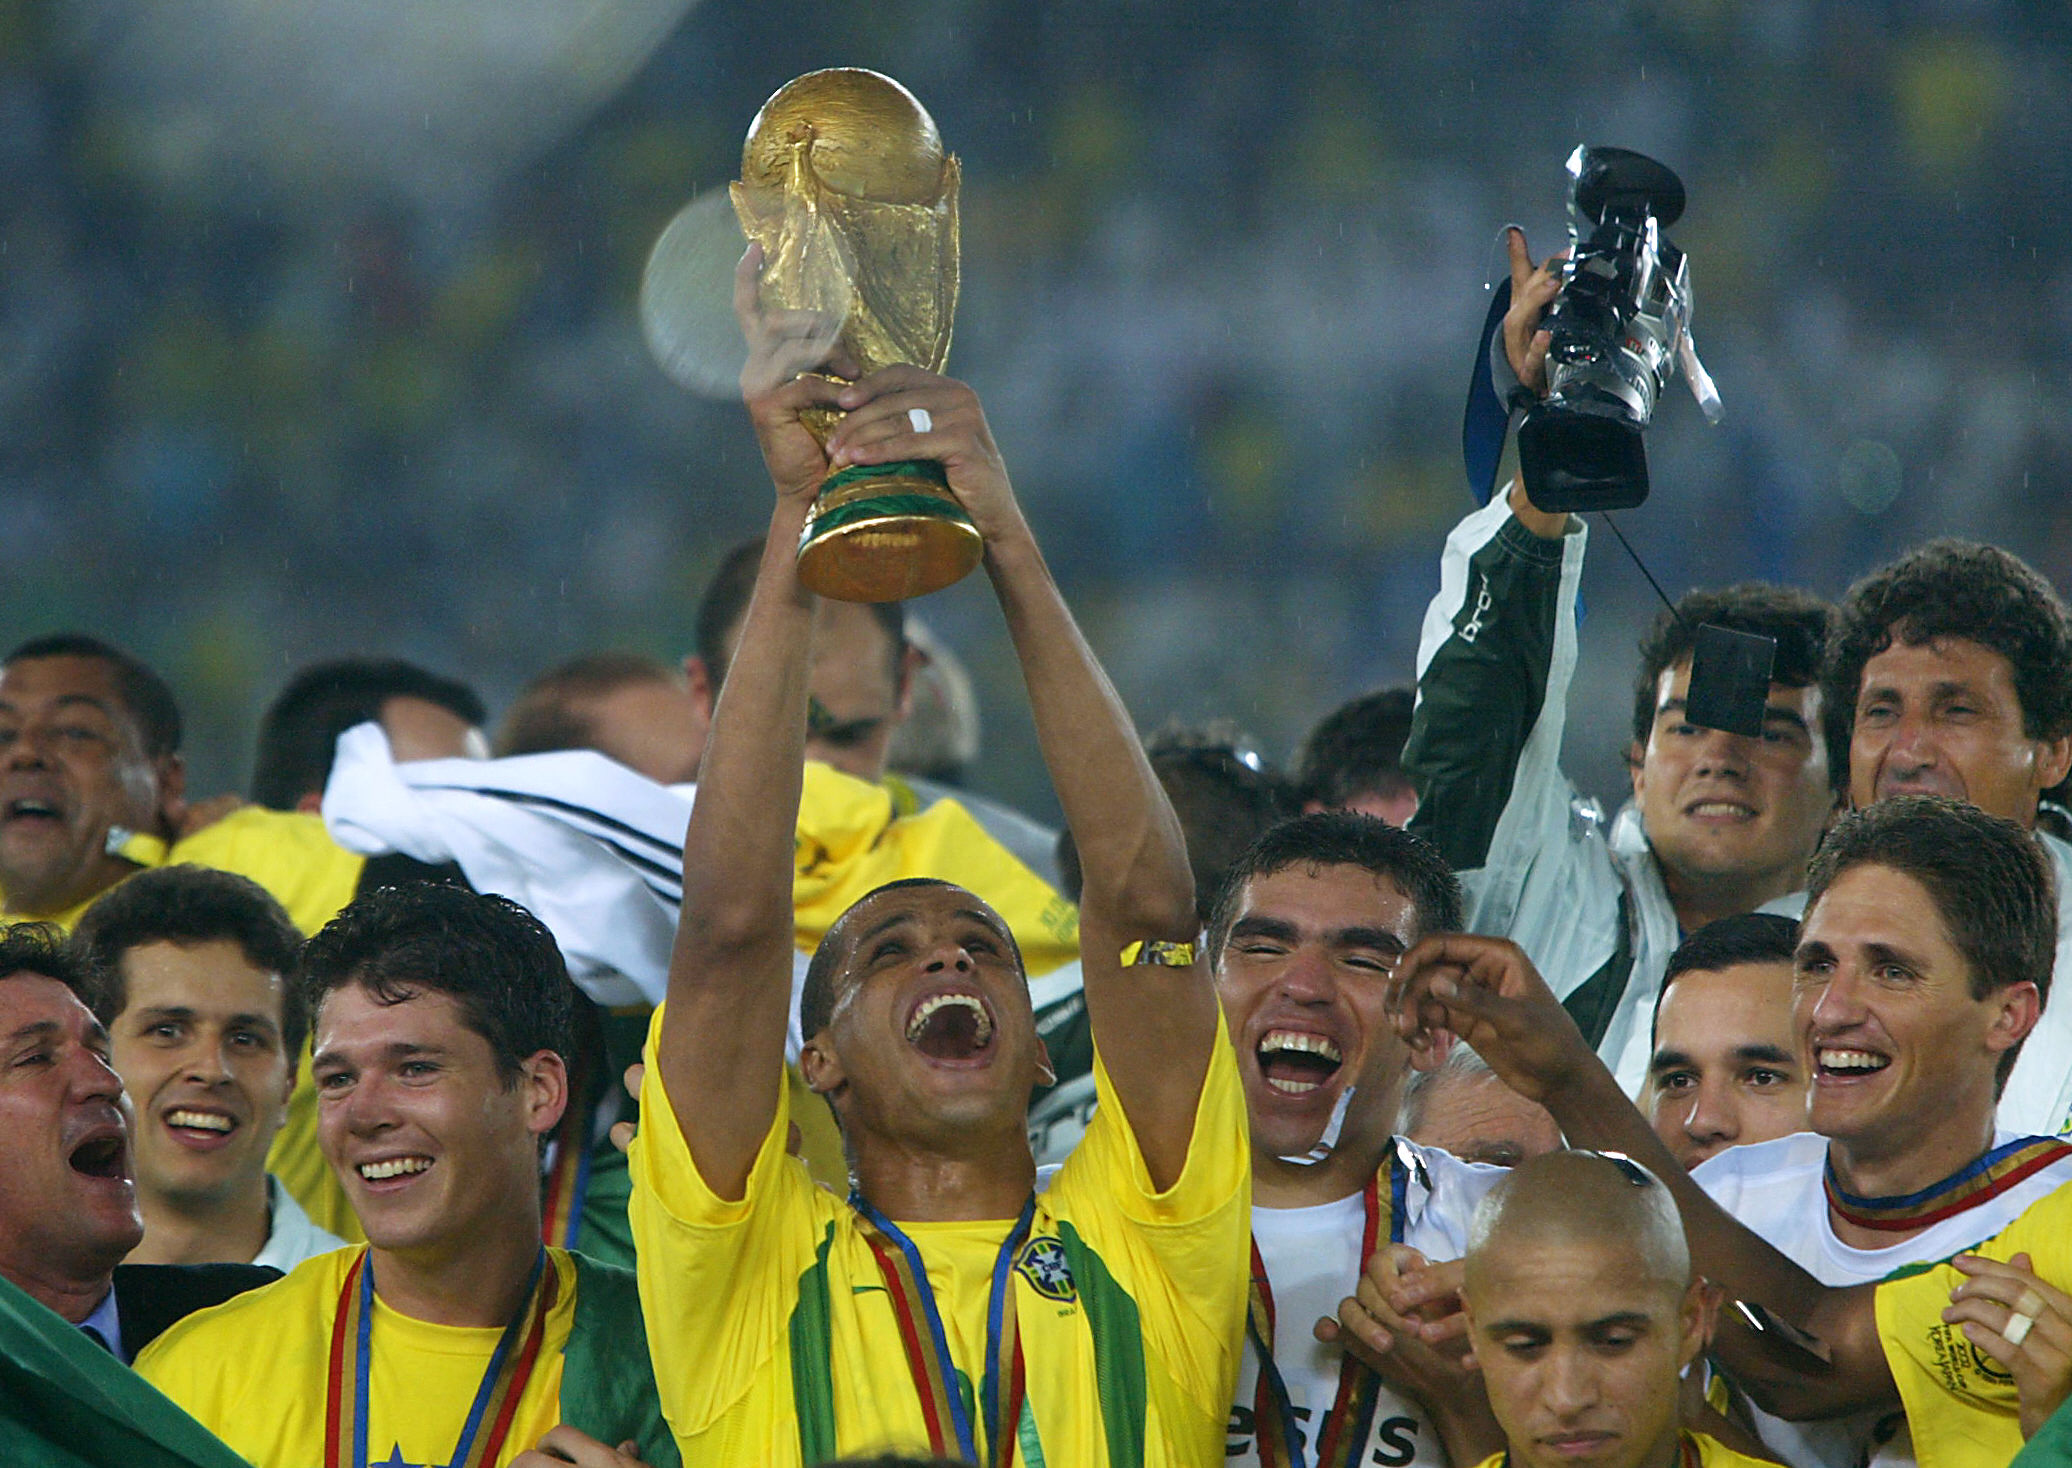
845	185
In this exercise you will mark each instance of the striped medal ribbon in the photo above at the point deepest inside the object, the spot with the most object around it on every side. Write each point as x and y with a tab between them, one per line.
1345	1428
950	1429
568	1180
1977	1182
346	1392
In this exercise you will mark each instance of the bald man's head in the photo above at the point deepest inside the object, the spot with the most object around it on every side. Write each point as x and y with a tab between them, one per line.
1582	1311
1568	1197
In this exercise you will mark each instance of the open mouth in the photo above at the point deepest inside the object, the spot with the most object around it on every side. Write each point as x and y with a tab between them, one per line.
101	1157
31	810
388	1169
1843	1064
1295	1063
950	1027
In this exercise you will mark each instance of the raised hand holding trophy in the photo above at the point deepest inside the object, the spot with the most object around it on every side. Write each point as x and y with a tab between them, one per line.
845	185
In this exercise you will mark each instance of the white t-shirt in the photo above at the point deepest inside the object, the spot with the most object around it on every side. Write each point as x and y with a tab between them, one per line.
1312	1258
1775	1190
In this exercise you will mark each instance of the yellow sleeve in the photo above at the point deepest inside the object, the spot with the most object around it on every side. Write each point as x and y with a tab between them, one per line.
1182	1254
718	1279
289	853
851	841
1960	1403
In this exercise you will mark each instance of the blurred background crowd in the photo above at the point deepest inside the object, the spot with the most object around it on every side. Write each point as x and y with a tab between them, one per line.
318	331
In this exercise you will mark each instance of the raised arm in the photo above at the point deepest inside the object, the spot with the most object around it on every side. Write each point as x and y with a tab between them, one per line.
1487	992
1153	1025
721	1049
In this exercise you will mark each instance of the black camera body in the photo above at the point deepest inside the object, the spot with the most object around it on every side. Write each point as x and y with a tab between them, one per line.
1620	328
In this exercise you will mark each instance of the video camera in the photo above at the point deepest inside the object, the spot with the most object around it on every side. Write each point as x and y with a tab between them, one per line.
1621	328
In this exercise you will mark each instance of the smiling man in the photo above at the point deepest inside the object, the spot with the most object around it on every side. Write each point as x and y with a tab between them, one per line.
945	1307
1719	823
1309	923
1582	1314
439	1020
1921	965
1950	673
191	974
1726	1068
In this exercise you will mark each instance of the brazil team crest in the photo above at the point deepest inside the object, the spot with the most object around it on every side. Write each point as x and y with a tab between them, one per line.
1042	1264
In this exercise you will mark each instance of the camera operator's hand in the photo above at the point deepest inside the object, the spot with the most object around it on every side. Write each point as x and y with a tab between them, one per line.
1533	289
788	351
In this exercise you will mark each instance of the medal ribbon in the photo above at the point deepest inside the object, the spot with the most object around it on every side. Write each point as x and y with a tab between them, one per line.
950	1430
1977	1182
568	1180
1344	1430
496	1400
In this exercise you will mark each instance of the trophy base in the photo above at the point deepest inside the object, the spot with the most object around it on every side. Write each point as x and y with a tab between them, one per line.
886	532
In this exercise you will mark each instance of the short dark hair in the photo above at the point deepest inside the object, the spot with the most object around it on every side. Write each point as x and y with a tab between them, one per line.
298	734
1952	588
544	717
494	959
187	905
1343	838
41	949
147	696
1224	794
817	991
1357	749
725	602
1797	619
1746	937
1991	882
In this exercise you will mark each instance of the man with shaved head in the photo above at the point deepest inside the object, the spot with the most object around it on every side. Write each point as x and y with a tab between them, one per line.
1583	1312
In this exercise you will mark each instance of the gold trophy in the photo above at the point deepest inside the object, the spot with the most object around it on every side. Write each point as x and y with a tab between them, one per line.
845	185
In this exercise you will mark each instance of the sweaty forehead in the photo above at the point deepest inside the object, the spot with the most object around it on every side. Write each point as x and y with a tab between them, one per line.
28	998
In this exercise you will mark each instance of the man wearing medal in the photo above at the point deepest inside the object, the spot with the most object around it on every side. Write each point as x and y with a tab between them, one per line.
1309	923
945	1307
440	1021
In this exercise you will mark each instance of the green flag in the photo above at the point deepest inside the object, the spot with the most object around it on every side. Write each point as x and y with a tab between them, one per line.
67	1403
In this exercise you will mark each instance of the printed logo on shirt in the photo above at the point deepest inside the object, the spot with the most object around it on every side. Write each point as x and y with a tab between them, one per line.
1042	1264
1472	628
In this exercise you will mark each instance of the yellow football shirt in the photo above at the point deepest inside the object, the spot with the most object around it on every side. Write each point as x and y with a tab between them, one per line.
1712	1453
254	1371
775	1340
1960	1403
851	839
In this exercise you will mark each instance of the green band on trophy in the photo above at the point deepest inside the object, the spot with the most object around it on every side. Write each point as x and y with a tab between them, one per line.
879	507
905	469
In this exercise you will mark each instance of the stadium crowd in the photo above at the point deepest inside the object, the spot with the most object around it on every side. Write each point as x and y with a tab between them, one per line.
686	1070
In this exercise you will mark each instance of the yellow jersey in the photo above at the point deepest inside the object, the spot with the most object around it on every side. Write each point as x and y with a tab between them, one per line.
254	1370
1961	1403
1708	1452
777	1339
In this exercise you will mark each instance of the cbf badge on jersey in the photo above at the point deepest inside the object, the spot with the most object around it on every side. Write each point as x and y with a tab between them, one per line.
1042	1263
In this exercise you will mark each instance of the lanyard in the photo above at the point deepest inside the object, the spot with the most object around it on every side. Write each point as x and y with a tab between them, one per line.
950	1432
496	1400
1344	1430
